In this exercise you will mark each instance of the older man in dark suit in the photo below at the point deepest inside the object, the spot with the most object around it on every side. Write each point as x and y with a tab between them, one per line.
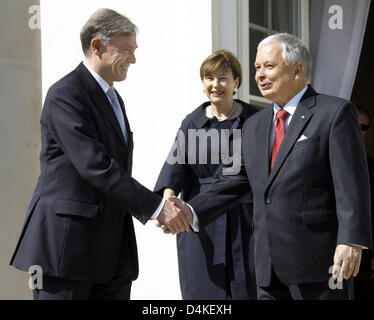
79	229
305	161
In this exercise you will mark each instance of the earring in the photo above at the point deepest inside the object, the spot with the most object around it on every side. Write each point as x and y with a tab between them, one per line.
235	90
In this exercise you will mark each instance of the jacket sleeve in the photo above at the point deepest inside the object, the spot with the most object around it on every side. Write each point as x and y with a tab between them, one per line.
72	126
223	194
350	178
175	173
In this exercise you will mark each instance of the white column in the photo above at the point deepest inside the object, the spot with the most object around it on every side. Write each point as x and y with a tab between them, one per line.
20	106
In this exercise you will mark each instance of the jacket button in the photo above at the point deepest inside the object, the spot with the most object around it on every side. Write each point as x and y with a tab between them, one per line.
268	200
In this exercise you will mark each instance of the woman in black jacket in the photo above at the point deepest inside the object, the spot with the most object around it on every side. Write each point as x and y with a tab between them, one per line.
217	262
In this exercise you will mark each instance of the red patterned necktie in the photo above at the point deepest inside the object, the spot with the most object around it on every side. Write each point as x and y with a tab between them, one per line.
281	116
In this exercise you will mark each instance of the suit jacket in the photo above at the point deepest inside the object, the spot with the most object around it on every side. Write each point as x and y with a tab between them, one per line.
78	224
315	197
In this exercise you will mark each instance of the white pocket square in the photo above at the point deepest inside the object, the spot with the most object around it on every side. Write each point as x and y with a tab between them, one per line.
302	138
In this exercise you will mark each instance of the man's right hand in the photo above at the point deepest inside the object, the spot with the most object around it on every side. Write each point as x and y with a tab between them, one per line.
182	206
173	218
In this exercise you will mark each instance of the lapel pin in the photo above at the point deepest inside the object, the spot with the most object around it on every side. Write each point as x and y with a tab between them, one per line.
303	117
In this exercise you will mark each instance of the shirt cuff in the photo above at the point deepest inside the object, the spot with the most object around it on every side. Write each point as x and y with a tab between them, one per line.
195	222
357	245
158	210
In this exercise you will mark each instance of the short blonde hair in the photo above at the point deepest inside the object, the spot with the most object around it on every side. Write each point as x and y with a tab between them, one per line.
222	59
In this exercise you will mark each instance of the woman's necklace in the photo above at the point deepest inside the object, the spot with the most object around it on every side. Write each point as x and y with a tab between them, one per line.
227	117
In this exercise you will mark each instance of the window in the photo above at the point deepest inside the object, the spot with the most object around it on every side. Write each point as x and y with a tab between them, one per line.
259	19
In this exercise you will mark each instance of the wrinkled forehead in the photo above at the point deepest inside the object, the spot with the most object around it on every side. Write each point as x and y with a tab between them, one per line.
270	51
124	39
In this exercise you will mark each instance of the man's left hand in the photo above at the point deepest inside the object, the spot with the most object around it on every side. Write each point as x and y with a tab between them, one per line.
347	260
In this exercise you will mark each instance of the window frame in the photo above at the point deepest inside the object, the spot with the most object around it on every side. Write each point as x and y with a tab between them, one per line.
243	45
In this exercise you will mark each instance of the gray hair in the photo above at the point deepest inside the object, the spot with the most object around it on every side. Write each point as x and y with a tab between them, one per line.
293	50
104	24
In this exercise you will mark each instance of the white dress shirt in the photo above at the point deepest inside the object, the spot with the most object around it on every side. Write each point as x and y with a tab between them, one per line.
102	83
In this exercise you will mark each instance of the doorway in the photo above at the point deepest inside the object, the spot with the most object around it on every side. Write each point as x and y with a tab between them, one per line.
363	91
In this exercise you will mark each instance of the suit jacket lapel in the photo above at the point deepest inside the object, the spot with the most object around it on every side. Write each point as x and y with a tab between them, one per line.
100	99
130	142
127	124
266	127
299	120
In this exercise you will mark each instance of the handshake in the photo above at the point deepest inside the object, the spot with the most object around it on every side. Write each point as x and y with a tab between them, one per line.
175	216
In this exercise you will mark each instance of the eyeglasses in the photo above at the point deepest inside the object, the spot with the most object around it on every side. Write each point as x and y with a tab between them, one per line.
364	127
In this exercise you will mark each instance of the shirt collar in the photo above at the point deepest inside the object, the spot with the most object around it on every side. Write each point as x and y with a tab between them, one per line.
103	84
291	105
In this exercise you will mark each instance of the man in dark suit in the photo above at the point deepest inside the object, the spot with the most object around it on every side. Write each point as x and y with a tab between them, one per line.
305	161
79	229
